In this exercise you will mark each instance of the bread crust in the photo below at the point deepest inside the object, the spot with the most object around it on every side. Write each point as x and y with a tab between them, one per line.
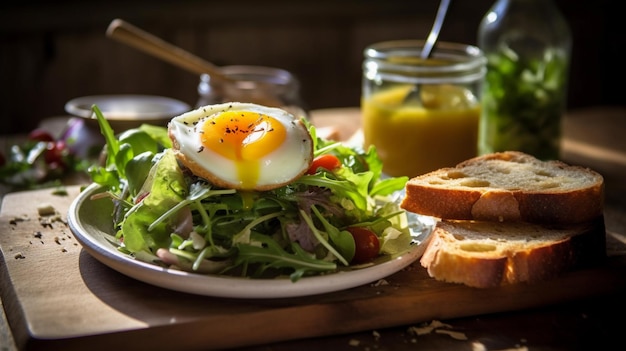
444	193
492	254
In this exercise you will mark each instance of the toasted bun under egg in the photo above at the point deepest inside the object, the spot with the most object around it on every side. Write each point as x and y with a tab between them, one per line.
242	145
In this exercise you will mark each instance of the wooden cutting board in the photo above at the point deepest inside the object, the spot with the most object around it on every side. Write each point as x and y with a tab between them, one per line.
57	296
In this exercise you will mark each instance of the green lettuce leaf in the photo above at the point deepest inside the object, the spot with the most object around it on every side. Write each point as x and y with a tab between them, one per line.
168	188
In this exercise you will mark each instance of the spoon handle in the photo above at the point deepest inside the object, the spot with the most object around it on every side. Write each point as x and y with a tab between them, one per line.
126	33
434	32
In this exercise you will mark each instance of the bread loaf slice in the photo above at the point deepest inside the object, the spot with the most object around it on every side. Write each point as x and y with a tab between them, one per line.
490	254
508	186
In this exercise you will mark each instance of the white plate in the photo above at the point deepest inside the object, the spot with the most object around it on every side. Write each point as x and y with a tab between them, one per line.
91	223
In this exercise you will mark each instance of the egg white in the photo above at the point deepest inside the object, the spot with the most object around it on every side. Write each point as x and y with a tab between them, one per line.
281	166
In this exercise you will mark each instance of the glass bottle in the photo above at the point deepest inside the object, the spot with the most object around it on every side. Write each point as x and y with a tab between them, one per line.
262	85
528	46
421	114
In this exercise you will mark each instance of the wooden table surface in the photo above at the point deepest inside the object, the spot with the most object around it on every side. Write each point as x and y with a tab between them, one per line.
576	311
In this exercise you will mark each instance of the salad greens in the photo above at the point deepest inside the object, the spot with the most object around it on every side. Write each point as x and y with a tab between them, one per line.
166	215
41	160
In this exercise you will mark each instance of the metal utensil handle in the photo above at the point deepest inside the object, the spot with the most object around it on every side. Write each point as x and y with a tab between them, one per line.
144	41
434	32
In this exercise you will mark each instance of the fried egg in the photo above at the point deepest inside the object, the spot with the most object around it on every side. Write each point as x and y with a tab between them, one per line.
242	145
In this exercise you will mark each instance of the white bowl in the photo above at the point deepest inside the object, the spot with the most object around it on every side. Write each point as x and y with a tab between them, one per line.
127	111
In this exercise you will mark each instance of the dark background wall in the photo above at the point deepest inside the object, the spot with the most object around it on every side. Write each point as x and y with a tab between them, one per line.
53	51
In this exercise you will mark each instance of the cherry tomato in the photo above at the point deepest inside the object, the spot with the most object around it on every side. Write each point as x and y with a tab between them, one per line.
55	153
40	135
367	245
326	161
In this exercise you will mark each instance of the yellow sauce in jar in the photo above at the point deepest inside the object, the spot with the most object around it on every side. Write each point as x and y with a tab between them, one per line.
439	129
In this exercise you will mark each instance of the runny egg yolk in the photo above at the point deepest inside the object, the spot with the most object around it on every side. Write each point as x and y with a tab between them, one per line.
243	137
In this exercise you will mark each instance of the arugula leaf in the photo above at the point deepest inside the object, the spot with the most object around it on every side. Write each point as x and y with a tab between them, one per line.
112	144
357	192
270	254
323	240
343	240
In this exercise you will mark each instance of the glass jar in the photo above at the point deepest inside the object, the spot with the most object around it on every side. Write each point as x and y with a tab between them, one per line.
527	44
256	84
421	114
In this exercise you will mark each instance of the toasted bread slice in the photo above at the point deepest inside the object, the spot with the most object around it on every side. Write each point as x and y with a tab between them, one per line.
508	186
490	254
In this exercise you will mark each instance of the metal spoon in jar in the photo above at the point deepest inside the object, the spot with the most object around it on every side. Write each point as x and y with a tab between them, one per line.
429	45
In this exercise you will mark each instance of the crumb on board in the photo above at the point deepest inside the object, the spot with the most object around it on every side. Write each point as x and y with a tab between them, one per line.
49	215
380	282
478	346
16	220
19	256
453	334
427	329
48	221
46	209
60	191
437	326
434	326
